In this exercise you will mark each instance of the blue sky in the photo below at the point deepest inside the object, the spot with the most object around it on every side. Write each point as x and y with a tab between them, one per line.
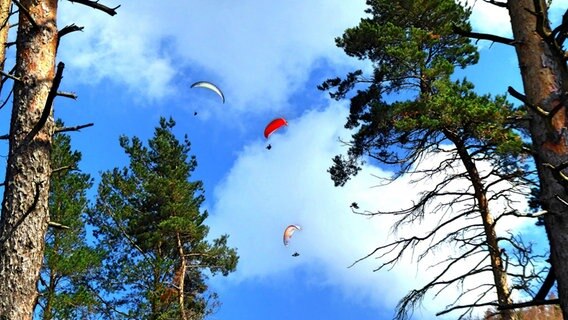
268	57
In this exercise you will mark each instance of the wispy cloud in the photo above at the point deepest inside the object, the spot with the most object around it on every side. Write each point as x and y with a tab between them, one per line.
267	190
259	52
489	18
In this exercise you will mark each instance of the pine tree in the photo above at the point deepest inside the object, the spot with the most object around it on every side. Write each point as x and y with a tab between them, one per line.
413	51
541	54
149	215
69	262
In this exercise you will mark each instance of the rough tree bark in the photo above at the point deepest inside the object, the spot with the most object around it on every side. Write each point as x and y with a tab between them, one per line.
25	213
543	69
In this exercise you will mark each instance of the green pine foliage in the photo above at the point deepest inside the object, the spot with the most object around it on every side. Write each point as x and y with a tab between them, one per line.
69	262
409	104
149	214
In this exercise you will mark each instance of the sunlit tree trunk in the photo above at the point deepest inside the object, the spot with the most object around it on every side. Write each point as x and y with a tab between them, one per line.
500	278
181	285
544	75
25	213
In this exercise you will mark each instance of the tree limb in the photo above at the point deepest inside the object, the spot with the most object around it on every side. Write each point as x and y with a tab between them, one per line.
25	12
75	128
469	306
546	286
557	173
7	98
521	97
523	215
497	3
97	5
11	76
69	167
70	95
59	226
483	36
529	304
68	29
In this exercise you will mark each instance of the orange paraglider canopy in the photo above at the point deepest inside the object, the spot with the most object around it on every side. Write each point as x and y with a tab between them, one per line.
289	231
274	125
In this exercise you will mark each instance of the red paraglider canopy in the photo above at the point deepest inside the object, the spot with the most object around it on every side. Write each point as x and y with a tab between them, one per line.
274	125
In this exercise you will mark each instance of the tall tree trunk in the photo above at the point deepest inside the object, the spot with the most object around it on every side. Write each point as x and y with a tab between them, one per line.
544	75
181	284
25	204
499	273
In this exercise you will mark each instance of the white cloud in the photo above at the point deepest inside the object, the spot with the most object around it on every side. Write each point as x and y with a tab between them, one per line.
488	18
259	52
267	190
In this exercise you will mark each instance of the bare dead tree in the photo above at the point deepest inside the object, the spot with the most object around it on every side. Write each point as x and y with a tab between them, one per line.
465	224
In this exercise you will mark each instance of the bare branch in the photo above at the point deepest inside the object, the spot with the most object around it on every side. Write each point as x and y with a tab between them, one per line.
559	198
25	12
56	225
11	76
557	173
98	6
70	95
497	3
68	29
529	304
64	168
546	286
468	306
75	128
523	99
7	98
515	213
483	36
